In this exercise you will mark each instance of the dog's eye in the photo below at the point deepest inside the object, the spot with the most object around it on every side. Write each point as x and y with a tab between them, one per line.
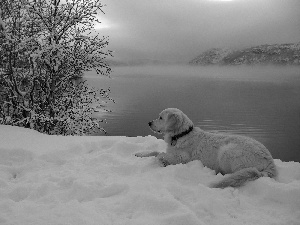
160	118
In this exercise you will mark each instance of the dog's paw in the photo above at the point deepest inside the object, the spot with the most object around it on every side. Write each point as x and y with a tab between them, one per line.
140	154
146	154
162	159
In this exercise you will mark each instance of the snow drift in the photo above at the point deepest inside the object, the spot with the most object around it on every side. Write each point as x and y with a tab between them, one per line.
97	180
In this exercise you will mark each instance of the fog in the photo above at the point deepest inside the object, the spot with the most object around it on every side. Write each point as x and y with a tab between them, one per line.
272	74
179	30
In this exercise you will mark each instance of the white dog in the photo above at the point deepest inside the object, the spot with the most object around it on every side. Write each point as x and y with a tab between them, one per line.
244	158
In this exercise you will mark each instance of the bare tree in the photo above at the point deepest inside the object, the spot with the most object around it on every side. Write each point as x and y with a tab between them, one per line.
45	45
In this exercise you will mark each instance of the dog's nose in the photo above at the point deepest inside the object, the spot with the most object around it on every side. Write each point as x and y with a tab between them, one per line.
150	123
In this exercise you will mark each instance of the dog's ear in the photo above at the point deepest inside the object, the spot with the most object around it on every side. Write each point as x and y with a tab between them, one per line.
173	123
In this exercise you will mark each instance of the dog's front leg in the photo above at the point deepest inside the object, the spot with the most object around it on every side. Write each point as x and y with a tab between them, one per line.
166	159
146	154
163	159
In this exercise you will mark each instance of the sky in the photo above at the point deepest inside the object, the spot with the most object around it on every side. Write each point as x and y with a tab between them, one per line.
179	30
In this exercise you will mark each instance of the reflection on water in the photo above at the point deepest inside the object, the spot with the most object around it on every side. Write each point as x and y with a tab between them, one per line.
261	102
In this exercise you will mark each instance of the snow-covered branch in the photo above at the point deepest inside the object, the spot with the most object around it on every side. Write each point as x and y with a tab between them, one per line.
45	46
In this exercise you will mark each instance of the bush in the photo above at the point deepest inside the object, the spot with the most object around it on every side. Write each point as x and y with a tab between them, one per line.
45	46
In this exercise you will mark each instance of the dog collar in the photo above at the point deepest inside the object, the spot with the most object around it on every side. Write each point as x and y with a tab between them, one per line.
177	136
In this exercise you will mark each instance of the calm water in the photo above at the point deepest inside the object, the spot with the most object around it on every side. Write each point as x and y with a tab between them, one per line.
261	102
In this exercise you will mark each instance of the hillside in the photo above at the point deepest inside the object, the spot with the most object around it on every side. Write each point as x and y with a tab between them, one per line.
281	54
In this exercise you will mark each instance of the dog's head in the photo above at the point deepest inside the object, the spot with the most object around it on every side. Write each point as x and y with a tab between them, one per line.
171	121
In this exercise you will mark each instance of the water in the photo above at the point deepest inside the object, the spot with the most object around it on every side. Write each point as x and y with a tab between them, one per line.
260	102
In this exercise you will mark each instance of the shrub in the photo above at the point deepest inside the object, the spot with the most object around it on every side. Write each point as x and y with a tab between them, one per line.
45	46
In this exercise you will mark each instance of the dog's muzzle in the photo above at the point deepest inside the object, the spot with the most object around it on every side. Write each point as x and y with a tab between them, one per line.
153	129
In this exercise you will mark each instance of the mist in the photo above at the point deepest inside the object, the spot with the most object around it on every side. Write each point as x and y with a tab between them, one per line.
177	30
243	73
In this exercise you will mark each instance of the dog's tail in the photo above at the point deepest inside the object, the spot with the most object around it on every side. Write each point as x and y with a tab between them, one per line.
242	176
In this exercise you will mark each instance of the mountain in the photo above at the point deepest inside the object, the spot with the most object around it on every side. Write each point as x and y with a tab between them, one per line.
212	56
281	54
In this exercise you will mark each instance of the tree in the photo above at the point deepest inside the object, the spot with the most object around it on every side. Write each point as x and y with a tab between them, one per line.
45	46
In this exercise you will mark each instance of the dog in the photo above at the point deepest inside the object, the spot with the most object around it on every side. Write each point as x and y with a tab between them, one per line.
244	158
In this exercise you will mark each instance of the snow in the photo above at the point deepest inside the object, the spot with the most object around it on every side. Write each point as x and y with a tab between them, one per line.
98	180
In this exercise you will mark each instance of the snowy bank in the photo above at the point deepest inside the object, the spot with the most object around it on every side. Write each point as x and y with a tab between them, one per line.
97	180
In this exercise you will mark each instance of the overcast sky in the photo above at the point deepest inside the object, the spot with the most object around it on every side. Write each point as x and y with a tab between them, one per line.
179	30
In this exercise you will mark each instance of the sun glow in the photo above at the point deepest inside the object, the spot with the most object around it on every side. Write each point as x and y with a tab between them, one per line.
102	25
